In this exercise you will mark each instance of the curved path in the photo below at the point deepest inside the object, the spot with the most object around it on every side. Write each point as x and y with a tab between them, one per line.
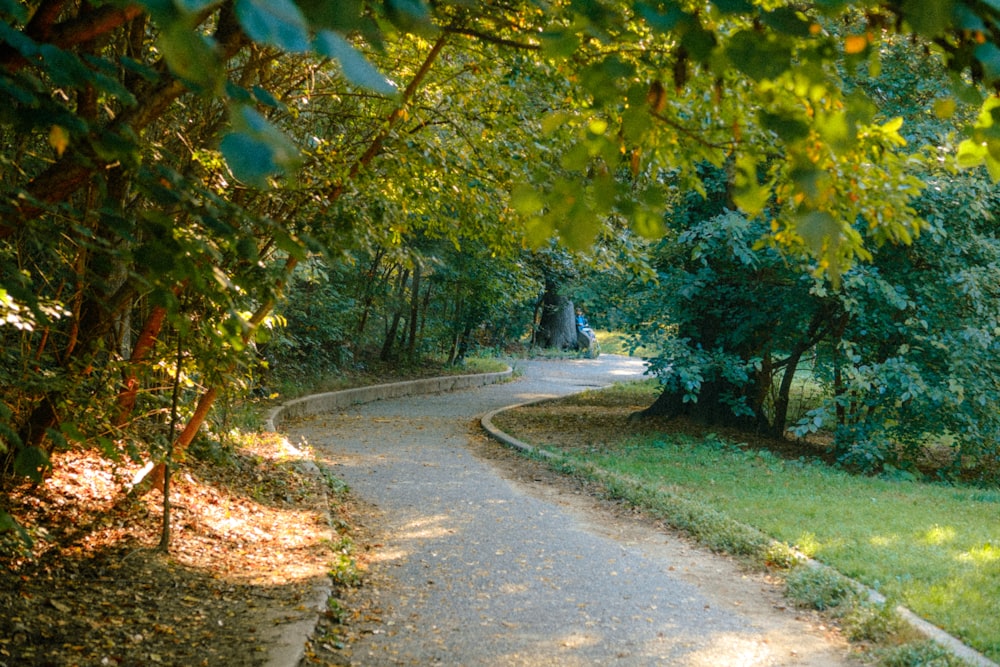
472	568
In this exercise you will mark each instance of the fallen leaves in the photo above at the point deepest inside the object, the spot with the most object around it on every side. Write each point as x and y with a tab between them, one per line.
250	540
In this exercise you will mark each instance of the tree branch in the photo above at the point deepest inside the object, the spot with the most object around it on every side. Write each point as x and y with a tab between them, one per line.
68	174
493	39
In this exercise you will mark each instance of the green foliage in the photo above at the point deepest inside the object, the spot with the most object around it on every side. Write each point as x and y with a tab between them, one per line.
918	654
344	569
818	587
166	165
872	622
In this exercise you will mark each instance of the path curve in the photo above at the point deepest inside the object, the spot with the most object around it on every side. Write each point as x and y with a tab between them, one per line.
474	568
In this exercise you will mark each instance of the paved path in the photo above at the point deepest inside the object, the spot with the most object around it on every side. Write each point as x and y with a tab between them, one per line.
481	570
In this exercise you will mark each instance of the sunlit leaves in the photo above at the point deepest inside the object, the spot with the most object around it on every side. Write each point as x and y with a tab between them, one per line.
749	194
59	139
983	147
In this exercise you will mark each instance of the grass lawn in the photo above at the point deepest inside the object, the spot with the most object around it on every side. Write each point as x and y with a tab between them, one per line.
933	548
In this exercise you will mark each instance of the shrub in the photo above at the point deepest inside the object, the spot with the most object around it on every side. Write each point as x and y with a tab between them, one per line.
919	654
872	622
818	588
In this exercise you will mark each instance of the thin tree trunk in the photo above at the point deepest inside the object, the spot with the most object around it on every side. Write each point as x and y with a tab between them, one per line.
782	401
414	309
369	292
143	346
169	455
423	309
397	315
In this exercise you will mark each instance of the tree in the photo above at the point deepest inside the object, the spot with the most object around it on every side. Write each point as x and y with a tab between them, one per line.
161	171
731	323
896	341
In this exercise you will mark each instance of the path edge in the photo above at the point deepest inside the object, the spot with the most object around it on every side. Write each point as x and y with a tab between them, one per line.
919	624
288	640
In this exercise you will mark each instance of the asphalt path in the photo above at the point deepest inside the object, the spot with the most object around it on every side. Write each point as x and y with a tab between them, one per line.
477	568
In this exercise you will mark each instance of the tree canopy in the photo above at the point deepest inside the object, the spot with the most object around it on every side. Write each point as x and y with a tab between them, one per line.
170	167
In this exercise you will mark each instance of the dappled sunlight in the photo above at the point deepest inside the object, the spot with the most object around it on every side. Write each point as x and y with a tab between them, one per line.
807	544
981	555
577	640
733	650
533	396
884	541
388	554
669	646
427	528
514	589
939	535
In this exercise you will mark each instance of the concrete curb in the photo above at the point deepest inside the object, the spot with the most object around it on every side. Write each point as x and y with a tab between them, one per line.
288	640
925	628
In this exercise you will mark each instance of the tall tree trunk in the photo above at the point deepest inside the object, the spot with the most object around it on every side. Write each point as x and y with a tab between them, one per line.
536	322
782	400
557	328
456	339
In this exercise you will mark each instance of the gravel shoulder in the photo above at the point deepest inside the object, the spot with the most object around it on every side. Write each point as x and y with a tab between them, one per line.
477	556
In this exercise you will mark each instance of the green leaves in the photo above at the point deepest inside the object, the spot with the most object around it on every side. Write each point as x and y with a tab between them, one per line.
929	18
353	64
256	150
31	462
759	56
983	147
749	194
192	57
411	16
279	23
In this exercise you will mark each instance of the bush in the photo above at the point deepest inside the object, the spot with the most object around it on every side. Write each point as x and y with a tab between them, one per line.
819	588
919	654
872	622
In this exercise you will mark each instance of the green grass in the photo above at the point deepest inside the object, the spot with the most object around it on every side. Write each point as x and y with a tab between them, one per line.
933	548
614	342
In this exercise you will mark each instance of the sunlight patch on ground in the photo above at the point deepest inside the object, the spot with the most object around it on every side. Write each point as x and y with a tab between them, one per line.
987	553
939	535
427	528
577	640
733	650
884	540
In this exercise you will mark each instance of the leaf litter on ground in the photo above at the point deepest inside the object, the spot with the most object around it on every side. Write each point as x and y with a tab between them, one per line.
250	539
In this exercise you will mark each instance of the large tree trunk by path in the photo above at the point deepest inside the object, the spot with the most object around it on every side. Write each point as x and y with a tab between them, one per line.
712	407
557	325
